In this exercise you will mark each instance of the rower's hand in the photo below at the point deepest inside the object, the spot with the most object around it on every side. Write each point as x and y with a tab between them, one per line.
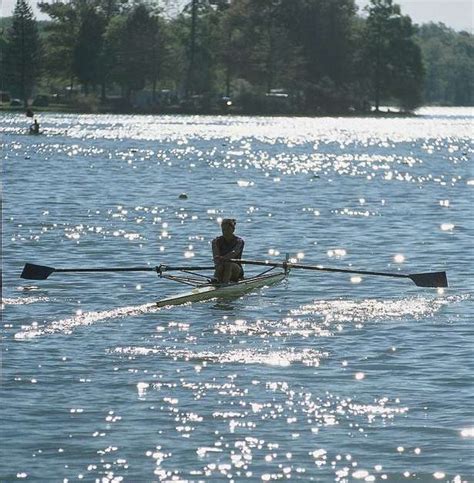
225	258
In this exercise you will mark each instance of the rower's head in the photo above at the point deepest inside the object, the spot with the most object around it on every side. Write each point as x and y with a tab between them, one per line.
228	227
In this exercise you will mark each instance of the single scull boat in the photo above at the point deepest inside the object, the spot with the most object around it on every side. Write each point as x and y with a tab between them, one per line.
206	291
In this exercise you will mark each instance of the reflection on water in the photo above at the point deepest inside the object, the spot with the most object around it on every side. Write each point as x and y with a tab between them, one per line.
325	377
333	311
244	356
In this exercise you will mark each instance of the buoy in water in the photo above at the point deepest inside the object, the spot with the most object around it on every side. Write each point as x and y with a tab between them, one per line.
183	196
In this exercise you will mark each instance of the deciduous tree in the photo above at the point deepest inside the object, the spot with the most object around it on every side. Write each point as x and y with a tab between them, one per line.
60	40
392	57
87	57
448	57
132	49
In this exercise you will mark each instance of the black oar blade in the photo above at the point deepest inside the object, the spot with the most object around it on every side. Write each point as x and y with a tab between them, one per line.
433	279
36	272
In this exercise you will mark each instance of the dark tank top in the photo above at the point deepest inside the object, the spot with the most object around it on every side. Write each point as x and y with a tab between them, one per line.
225	246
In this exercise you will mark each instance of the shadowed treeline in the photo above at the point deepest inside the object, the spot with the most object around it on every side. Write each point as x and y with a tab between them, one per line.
271	56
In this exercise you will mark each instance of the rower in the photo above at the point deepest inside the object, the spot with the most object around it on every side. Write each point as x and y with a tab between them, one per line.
224	248
35	127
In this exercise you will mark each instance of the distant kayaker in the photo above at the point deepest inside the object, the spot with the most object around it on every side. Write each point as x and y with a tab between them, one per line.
35	127
224	248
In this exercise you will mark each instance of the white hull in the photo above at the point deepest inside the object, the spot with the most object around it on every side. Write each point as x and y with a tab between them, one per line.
236	289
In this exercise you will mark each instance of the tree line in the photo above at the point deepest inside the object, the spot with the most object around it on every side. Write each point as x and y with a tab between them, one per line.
292	56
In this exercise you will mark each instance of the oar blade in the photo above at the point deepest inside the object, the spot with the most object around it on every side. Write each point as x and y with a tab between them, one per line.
433	279
36	272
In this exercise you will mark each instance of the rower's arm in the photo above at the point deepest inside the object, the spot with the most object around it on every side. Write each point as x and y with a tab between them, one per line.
215	250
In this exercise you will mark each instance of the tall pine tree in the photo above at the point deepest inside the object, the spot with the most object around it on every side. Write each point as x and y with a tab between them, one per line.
23	52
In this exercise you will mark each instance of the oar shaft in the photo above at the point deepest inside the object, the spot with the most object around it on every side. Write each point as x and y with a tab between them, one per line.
121	269
168	268
342	270
433	279
160	268
40	272
323	269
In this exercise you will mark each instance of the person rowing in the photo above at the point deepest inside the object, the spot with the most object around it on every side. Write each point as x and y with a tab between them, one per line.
224	248
35	127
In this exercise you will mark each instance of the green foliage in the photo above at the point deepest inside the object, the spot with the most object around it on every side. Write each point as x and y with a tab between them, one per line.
323	30
60	40
88	103
448	57
87	58
199	41
22	52
269	56
113	51
301	46
259	47
392	56
132	46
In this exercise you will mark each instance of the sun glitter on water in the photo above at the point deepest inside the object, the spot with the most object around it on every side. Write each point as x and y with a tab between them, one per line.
467	432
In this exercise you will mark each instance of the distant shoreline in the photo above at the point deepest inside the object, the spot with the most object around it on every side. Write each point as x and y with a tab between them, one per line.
63	108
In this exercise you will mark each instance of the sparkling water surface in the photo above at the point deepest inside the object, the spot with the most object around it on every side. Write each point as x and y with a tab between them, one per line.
324	377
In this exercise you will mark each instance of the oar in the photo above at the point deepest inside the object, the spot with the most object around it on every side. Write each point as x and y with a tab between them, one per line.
40	272
430	279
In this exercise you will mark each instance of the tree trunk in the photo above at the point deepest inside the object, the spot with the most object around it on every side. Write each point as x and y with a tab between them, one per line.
377	92
227	81
377	85
190	77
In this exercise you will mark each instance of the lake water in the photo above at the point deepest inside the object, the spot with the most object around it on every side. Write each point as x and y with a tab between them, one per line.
321	378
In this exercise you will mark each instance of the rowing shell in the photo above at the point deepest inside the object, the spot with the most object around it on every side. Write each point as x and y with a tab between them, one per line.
229	290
